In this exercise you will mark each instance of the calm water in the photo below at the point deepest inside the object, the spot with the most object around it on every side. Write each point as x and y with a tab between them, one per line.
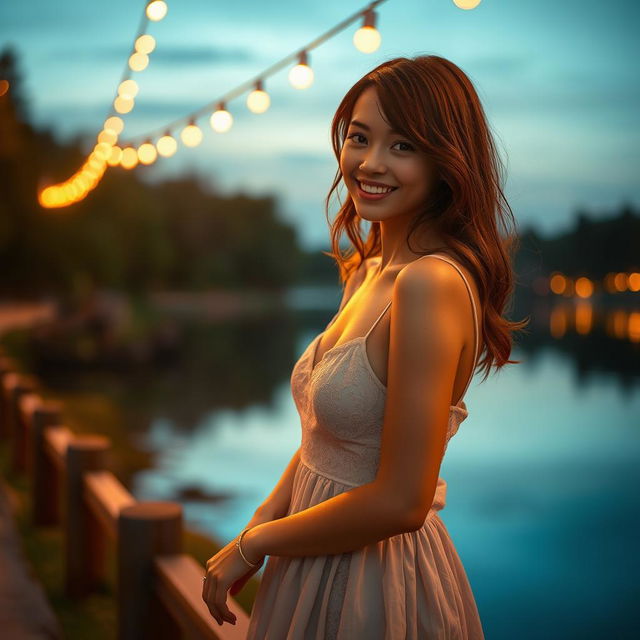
542	476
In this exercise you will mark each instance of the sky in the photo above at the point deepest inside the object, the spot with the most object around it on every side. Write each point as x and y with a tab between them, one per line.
558	82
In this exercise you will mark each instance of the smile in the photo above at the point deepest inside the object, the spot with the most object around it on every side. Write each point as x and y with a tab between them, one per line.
374	193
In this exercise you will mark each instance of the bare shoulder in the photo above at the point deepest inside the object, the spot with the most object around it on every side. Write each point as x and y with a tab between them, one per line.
427	281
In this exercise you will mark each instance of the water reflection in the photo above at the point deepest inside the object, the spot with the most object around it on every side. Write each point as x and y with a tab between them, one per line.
542	477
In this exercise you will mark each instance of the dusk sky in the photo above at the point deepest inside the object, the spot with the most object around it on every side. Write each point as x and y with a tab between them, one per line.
558	81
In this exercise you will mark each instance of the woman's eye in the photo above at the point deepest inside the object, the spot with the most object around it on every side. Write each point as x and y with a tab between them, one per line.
359	135
353	135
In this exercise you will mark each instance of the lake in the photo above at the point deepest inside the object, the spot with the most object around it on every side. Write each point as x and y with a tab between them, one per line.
543	476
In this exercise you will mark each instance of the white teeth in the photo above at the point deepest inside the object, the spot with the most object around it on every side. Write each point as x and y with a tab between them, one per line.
370	189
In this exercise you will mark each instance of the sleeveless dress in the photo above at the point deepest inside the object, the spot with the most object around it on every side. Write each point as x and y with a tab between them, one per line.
410	586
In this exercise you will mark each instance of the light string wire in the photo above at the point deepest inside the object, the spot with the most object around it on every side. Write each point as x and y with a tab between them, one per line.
84	180
250	84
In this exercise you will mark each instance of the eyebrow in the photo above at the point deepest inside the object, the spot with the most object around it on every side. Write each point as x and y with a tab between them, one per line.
362	125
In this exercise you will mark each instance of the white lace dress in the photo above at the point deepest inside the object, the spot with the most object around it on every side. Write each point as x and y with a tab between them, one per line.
410	586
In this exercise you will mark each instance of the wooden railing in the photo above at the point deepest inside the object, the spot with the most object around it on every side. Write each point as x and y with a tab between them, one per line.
158	586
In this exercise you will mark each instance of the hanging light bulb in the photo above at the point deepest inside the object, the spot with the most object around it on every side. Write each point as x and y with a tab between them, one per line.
128	89
129	158
167	145
123	104
145	44
221	120
367	38
102	151
147	153
191	135
114	123
107	136
138	61
301	76
466	4
116	155
258	100
156	10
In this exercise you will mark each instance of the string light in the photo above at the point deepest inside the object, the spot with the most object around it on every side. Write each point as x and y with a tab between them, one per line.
138	61
221	120
167	145
147	153
145	44
129	158
367	39
123	104
156	10
301	76
128	88
258	100
116	155
466	4
129	154
191	135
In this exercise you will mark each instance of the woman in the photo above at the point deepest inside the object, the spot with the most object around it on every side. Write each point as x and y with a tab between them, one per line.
357	548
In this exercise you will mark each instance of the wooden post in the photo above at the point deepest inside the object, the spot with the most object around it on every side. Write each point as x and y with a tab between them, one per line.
85	543
45	479
17	385
145	530
7	365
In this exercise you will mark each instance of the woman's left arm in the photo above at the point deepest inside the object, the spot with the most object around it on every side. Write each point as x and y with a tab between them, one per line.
426	341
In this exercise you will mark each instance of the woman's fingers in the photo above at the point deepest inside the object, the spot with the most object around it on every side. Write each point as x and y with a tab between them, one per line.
209	597
221	603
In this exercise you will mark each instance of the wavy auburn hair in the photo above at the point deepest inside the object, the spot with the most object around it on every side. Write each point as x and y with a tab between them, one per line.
433	103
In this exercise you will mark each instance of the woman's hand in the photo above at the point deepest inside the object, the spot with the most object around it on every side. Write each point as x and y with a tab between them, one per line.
227	571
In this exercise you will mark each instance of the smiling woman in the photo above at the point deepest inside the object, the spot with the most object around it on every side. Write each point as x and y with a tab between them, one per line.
360	550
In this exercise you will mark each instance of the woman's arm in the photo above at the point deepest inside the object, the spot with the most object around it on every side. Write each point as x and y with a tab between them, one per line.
277	502
426	340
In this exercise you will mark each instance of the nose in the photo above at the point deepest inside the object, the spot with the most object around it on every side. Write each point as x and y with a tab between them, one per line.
373	161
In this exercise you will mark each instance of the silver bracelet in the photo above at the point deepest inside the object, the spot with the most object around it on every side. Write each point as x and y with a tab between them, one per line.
238	540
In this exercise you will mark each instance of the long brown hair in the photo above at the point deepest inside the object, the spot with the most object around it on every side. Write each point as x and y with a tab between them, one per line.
432	102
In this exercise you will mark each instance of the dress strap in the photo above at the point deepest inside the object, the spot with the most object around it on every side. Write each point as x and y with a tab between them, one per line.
366	335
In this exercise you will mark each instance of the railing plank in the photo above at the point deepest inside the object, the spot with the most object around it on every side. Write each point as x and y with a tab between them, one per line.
180	590
106	495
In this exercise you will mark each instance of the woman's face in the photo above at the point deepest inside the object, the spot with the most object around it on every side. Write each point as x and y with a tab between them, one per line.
372	153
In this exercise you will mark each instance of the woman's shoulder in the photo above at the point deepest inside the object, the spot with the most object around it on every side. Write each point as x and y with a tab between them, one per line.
431	278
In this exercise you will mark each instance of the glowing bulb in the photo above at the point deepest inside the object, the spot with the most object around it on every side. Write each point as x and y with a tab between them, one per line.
156	10
466	4
221	120
301	76
129	158
114	158
128	89
123	104
114	123
108	136
258	101
145	44
367	39
102	151
166	146
138	61
147	153
191	135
